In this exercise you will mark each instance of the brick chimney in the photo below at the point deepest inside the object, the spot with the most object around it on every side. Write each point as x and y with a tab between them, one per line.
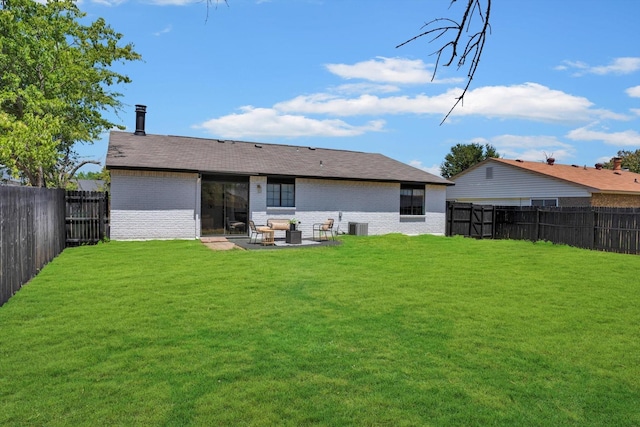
617	163
141	111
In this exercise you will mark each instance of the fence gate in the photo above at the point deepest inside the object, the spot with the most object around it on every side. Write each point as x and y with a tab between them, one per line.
87	217
469	220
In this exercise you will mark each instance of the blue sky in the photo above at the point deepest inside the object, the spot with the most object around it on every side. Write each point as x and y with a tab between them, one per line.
557	78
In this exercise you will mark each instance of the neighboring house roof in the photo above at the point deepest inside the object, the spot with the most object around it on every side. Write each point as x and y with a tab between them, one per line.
162	152
596	180
90	184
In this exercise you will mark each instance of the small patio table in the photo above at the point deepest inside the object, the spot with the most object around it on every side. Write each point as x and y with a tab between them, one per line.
267	236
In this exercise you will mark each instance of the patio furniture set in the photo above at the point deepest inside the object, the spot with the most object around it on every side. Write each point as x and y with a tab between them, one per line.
321	231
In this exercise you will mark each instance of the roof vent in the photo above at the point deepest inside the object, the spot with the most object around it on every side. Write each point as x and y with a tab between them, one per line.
519	160
550	161
258	145
598	166
575	166
312	148
141	111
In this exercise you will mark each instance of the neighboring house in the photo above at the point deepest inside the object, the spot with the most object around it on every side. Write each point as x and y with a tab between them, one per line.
90	184
166	187
523	183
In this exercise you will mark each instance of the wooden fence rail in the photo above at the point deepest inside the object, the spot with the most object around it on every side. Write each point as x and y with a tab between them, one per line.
605	229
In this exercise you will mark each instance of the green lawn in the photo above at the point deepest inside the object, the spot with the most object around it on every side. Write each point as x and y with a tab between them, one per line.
385	330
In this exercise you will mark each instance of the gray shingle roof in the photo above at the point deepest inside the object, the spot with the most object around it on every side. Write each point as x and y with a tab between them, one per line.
163	152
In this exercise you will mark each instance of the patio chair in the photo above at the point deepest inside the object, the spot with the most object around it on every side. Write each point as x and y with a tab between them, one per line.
322	229
237	226
254	232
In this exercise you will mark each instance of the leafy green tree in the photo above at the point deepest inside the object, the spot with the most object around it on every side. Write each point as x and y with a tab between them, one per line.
56	82
463	156
630	160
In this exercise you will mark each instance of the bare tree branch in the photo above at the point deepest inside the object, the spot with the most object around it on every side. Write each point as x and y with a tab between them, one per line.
214	3
471	50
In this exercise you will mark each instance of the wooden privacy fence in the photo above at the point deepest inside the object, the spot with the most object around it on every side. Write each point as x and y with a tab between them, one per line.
87	217
31	234
470	220
36	224
606	229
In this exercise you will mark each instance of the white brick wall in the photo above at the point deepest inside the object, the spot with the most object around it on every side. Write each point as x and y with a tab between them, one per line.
377	204
162	205
154	205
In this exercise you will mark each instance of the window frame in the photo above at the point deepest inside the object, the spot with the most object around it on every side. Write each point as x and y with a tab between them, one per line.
281	202
417	201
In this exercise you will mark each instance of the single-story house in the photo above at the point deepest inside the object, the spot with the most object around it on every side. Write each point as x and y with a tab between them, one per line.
523	183
175	187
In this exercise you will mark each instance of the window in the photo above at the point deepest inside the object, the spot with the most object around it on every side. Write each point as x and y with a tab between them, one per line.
548	203
411	200
281	192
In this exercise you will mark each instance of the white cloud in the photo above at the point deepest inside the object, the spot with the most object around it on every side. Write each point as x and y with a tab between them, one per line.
261	122
529	101
323	103
109	2
624	65
531	148
174	2
434	169
633	92
387	70
359	88
625	138
619	66
165	30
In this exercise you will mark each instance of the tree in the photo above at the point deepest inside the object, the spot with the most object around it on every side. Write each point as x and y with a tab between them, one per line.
56	82
463	156
630	160
454	49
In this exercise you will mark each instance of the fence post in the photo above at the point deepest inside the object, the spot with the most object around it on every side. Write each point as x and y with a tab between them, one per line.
449	216
594	218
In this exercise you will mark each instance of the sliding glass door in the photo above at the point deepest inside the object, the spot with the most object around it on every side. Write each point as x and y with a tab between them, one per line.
225	205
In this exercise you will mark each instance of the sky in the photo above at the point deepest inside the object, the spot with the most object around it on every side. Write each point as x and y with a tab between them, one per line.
557	78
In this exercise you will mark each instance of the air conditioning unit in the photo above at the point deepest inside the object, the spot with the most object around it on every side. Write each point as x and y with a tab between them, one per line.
358	228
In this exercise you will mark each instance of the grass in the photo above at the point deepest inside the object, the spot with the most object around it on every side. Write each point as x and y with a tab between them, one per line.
384	330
